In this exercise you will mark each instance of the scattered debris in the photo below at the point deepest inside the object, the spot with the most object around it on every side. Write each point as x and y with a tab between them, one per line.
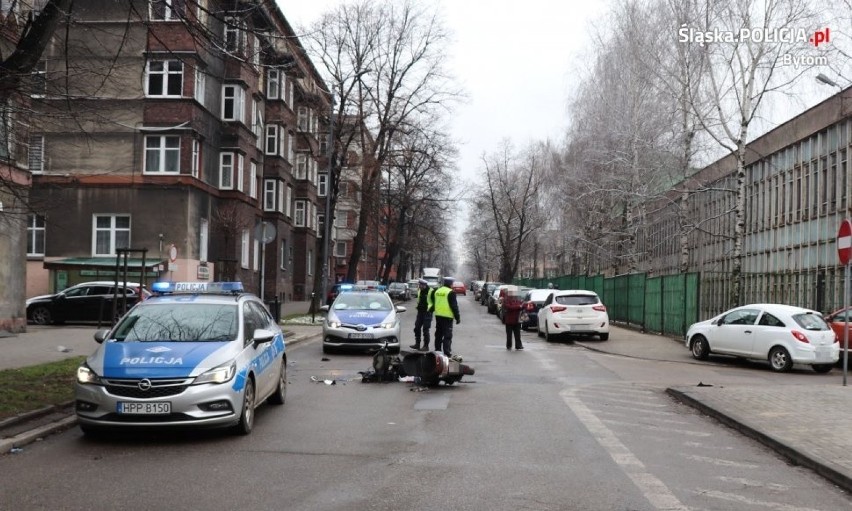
16	450
325	359
63	349
702	384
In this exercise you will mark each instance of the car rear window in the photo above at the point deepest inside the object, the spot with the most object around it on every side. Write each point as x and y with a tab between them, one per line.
539	296
811	321
577	300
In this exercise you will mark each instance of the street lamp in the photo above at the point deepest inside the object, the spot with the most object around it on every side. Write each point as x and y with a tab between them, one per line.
826	80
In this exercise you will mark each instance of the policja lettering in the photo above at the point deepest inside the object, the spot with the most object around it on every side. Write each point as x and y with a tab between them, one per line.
151	360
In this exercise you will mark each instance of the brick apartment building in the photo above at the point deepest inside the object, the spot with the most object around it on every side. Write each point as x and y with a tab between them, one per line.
187	132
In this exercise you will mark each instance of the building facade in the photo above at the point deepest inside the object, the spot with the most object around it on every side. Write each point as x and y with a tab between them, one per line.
179	140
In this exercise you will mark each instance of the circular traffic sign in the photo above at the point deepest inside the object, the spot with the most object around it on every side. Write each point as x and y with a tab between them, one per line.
844	242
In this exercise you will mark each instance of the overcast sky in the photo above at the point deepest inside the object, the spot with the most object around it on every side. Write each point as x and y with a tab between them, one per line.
515	60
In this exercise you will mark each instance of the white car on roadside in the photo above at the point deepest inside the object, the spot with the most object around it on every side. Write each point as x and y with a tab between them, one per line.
573	312
780	334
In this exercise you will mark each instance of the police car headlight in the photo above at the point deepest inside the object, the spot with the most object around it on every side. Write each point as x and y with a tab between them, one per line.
86	375
388	324
334	323
220	374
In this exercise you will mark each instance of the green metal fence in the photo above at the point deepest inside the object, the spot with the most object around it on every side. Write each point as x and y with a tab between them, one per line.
666	304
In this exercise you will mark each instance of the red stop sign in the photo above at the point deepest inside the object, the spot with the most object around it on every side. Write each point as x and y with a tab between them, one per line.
844	242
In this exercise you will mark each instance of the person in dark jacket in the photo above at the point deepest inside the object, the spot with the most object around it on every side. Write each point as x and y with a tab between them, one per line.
424	315
446	308
511	318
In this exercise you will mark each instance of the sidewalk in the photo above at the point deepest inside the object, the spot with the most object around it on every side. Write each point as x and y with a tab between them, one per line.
807	423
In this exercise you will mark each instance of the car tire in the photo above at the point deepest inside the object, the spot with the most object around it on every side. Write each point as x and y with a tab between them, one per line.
700	348
280	395
539	332
604	337
822	368
41	316
246	422
780	360
547	336
92	431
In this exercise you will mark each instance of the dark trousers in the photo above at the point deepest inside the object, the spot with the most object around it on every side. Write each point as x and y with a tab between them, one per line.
516	331
422	324
444	335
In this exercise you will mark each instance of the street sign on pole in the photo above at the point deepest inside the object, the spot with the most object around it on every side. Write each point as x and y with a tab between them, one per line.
844	242
844	251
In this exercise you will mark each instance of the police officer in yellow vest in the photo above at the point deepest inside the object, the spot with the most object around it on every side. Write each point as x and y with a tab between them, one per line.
446	309
424	315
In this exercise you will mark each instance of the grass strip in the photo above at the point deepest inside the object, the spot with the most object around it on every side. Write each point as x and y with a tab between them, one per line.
30	388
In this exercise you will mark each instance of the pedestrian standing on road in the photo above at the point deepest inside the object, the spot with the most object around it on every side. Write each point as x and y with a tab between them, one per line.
446	308
424	315
512	319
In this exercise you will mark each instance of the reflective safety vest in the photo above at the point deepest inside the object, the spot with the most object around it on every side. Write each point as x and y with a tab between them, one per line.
442	303
429	297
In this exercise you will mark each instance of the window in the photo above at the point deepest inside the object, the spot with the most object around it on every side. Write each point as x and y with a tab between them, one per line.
196	157
257	122
167	10
322	187
301	166
310	262
323	143
271	139
233	103
256	254
36	153
165	78
290	95
289	204
109	233
203	237
320	226
200	85
283	255
226	171
340	221
299	218
38	83
273	83
240	175
162	154
255	51
253	180
269	195
290	149
302	121
340	249
244	249
35	235
281	198
234	35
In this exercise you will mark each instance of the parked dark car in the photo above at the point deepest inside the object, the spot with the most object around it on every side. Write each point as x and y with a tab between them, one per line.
533	300
399	291
487	289
87	302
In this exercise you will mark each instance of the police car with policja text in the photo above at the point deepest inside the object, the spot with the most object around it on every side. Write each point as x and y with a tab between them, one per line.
193	355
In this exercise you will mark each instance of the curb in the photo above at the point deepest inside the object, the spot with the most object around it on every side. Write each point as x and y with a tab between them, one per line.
796	457
69	421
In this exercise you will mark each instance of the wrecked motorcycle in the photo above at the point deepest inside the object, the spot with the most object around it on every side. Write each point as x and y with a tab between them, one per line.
433	367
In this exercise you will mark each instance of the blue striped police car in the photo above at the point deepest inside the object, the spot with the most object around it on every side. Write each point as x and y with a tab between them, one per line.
194	354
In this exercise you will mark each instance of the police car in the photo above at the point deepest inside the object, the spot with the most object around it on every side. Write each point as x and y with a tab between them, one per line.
361	319
194	354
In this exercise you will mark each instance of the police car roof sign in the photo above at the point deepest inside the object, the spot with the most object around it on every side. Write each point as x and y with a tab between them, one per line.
197	287
844	242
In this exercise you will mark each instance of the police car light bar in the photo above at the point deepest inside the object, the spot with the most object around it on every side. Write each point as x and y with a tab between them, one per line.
163	287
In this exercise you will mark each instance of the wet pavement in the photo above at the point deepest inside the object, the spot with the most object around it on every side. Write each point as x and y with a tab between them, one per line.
808	423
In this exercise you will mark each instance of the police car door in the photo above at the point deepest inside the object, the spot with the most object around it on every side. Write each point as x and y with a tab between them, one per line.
264	374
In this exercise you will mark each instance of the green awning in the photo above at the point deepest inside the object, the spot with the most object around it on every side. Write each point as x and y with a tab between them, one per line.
100	262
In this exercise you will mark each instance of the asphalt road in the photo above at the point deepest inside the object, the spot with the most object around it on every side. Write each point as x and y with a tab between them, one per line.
555	426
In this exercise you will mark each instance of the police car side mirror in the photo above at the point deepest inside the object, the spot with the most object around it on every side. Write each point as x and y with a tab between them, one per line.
324	308
262	335
101	335
400	308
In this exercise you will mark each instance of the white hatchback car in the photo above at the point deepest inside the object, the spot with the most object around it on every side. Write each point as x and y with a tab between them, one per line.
781	334
573	311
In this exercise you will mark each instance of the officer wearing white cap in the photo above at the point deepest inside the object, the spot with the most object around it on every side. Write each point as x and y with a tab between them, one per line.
424	315
446	309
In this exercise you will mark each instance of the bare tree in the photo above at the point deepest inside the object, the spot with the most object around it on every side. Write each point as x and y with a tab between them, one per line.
385	64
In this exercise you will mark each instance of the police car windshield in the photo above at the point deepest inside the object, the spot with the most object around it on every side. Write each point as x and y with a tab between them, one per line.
179	323
363	301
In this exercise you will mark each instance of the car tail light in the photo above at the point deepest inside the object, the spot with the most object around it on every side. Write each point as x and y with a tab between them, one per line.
530	306
600	308
558	308
800	336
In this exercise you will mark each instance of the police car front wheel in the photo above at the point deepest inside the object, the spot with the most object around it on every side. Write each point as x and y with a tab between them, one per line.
246	423
280	395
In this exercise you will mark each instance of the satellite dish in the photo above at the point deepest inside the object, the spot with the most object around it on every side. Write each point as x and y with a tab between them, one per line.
265	232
